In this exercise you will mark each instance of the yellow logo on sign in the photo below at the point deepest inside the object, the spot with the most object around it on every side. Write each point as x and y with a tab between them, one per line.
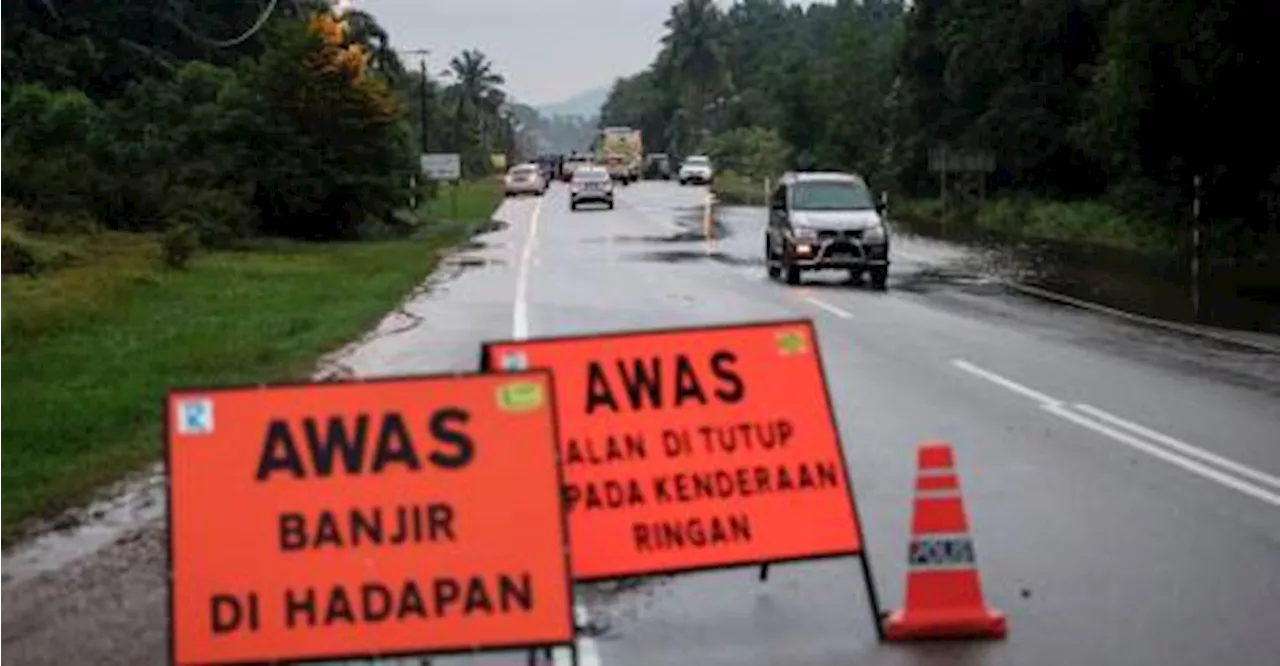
520	397
791	343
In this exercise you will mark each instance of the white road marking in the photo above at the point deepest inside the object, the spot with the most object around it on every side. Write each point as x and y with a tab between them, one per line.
1156	444
1007	383
1172	458
829	307
588	652
1181	446
520	310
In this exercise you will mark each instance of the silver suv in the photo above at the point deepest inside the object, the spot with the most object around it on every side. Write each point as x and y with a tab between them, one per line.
826	220
591	183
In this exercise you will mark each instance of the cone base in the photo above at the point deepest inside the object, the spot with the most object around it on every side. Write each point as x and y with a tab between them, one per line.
914	626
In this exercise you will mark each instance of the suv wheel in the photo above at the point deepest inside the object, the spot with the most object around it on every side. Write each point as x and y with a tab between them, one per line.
879	276
790	270
770	261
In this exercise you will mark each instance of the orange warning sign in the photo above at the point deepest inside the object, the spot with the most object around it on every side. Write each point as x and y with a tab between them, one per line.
695	448
383	517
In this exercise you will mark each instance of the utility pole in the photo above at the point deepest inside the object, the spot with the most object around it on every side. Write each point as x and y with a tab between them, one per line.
422	112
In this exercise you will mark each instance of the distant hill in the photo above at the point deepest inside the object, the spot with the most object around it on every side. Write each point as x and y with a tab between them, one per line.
583	105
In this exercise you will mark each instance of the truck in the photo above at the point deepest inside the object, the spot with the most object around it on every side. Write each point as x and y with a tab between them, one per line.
621	152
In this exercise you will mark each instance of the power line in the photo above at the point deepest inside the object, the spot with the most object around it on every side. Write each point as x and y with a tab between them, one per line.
223	43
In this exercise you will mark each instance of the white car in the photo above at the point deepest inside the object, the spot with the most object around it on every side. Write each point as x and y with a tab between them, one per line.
696	169
525	179
591	184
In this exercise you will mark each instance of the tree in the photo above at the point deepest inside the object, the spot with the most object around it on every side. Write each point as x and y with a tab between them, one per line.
476	98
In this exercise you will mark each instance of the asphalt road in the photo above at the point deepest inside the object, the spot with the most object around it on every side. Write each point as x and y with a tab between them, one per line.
1121	481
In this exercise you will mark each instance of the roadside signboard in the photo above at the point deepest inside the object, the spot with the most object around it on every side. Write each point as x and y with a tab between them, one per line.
951	160
695	448
384	517
441	166
499	161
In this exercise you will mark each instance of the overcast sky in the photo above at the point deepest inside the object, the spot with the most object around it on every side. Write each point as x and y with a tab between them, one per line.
549	50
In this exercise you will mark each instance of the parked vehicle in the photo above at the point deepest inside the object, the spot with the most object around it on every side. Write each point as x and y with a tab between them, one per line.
572	163
657	166
550	166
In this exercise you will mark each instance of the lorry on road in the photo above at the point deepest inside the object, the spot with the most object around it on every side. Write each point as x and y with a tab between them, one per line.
622	153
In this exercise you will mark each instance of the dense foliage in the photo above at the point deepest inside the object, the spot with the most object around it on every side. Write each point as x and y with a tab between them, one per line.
233	118
1125	100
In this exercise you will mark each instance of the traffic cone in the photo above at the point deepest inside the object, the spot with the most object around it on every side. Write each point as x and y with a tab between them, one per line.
944	594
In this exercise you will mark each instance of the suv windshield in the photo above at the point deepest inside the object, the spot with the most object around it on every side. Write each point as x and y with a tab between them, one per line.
831	196
697	160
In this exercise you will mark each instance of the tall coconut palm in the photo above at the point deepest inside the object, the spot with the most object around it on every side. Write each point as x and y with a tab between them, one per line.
476	86
693	54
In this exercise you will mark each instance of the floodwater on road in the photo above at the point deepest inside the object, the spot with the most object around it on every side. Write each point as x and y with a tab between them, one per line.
1236	296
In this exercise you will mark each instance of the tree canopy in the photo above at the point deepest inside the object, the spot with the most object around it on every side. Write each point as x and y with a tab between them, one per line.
1122	99
237	118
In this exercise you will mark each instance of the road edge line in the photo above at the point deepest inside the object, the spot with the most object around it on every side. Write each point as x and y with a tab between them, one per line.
1154	448
1142	319
520	306
1198	468
839	312
588	651
1186	449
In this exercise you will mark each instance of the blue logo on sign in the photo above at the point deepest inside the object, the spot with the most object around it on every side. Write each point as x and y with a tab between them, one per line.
515	361
195	417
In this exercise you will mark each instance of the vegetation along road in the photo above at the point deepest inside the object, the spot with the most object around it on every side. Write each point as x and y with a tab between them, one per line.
218	193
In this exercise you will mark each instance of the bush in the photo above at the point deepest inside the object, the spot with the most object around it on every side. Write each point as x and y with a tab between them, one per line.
18	255
220	217
736	189
179	243
29	256
752	151
1089	222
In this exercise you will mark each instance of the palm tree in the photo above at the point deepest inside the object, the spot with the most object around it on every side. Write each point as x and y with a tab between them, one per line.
476	88
693	53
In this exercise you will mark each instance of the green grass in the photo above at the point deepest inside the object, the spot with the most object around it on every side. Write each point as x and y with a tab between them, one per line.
736	189
475	200
1090	222
90	350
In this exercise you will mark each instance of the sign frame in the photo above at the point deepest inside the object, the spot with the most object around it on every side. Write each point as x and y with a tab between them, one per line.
485	358
440	166
171	598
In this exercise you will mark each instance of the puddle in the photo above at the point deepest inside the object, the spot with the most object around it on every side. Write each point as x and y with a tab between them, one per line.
493	226
470	261
603	597
81	532
1243	295
680	256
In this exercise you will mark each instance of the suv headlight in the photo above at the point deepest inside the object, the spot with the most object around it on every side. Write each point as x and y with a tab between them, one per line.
874	234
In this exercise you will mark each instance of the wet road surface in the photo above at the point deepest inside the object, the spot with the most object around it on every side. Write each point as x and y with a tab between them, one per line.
1121	481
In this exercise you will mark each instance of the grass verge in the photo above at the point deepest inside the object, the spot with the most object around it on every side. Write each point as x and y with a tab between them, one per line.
1087	222
89	350
735	189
